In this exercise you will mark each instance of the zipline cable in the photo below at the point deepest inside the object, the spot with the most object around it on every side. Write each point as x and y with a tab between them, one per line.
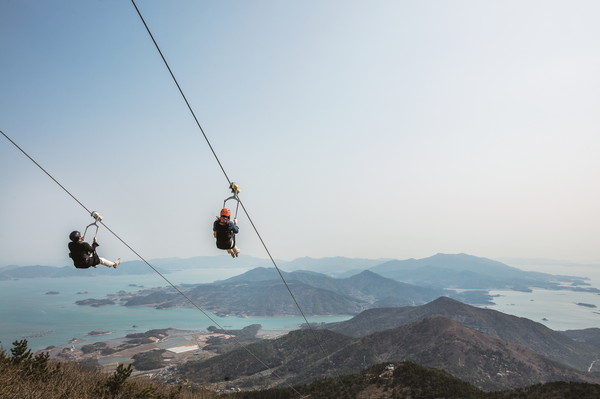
148	263
181	91
225	173
45	171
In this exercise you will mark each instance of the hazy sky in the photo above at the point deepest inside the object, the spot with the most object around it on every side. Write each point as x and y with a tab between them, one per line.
379	129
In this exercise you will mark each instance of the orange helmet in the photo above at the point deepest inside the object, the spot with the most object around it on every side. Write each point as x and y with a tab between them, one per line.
225	212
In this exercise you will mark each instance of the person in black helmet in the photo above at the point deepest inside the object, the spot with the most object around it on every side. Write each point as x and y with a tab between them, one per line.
224	231
84	255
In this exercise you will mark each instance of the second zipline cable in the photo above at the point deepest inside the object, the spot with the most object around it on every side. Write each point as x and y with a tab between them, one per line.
225	173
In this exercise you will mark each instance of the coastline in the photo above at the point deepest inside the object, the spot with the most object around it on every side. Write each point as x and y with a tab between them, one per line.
176	346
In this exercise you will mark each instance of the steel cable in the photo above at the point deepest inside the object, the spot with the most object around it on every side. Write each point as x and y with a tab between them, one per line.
148	263
226	176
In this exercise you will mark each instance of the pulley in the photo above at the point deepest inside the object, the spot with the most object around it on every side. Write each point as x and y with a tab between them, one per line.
97	218
235	189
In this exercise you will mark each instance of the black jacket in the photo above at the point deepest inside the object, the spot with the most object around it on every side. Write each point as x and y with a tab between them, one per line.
83	254
225	234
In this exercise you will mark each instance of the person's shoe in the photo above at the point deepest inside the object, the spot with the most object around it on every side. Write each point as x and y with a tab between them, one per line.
117	263
236	251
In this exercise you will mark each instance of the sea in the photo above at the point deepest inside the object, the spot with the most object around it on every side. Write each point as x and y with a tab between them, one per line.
43	310
559	310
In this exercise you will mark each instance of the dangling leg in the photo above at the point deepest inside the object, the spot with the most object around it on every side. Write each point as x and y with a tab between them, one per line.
234	249
108	263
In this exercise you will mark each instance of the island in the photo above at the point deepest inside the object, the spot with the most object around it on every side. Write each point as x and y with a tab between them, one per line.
92	333
587	305
95	302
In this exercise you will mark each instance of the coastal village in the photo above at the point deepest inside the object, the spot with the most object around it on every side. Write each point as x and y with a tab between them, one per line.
156	353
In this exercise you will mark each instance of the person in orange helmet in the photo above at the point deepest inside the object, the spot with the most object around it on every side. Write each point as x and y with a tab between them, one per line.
224	230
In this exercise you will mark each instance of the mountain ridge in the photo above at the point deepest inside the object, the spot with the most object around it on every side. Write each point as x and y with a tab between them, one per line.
469	271
513	329
367	285
486	361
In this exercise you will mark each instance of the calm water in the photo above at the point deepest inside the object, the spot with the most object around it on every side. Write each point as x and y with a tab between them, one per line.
558	308
27	311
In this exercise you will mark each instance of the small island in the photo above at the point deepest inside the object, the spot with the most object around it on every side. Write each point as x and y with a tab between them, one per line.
52	293
92	333
95	302
587	305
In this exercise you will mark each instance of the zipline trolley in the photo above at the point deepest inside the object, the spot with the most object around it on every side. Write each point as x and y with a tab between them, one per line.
97	218
235	189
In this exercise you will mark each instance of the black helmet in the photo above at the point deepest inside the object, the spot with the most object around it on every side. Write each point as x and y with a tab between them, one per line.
74	236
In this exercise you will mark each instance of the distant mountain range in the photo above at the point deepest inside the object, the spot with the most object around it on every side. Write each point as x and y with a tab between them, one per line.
163	265
435	340
471	272
440	271
167	265
22	272
332	265
365	286
261	292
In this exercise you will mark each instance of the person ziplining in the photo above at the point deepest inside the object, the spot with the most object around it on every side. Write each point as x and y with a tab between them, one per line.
83	254
225	229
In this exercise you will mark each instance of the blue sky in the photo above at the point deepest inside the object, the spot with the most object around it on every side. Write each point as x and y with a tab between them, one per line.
381	129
